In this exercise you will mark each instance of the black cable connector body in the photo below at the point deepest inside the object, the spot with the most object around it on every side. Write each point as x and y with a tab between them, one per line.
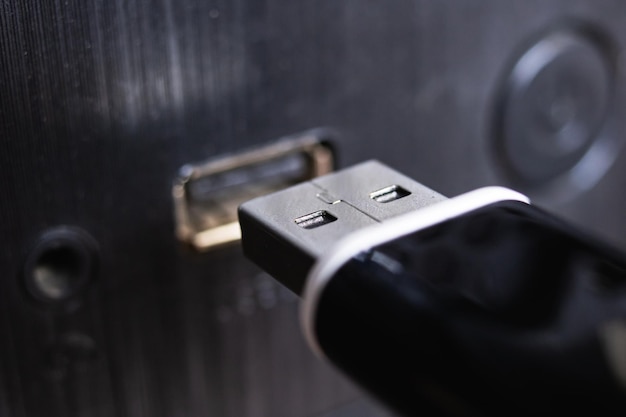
476	305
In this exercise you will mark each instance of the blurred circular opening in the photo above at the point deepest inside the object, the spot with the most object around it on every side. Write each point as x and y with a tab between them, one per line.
60	265
556	125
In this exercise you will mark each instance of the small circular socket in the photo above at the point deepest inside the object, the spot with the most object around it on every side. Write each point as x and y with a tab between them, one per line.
60	265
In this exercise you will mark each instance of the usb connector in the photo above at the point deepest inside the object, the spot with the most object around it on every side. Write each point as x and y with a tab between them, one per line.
285	232
403	295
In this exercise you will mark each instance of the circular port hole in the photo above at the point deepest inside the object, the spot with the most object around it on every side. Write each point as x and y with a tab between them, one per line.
557	123
60	265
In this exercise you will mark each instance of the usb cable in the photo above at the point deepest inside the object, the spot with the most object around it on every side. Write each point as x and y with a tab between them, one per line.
481	304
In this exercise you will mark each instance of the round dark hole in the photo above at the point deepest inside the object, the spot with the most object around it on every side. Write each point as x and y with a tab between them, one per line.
60	265
58	272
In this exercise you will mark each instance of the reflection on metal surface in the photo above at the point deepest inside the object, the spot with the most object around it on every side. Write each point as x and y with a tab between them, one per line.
207	195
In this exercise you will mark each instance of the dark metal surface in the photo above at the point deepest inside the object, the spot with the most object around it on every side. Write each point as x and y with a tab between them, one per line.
102	102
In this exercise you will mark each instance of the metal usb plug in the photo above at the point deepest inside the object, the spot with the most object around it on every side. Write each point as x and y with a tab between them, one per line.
285	232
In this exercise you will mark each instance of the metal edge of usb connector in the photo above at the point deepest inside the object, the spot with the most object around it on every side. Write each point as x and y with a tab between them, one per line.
287	231
280	235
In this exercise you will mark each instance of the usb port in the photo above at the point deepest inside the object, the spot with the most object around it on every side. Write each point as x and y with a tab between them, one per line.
206	195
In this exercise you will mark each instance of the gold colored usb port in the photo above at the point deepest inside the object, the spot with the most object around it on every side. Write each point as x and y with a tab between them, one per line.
207	195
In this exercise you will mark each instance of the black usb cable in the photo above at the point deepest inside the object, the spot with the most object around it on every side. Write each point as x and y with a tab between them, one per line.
480	304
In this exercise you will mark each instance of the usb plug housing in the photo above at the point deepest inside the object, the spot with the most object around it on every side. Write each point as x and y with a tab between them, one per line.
285	232
479	301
